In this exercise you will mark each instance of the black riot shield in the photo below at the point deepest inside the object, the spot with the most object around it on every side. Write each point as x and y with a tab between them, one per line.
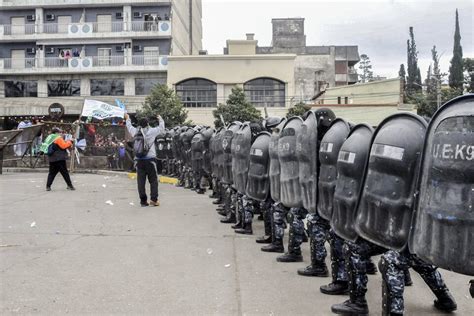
197	150
443	229
207	156
258	183
274	172
328	154
186	140
169	144
307	155
160	145
241	143
351	163
385	207
227	138
218	170
289	170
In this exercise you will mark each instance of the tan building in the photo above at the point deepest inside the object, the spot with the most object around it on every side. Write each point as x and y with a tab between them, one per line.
384	92
204	81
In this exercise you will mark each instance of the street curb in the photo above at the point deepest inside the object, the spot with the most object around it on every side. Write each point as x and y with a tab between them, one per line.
85	171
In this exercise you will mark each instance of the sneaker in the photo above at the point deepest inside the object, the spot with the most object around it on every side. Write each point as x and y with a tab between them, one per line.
71	188
48	188
155	203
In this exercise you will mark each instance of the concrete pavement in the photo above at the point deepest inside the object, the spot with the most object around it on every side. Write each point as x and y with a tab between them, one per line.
71	252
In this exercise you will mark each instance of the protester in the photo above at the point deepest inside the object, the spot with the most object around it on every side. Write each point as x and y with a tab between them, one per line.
146	159
55	146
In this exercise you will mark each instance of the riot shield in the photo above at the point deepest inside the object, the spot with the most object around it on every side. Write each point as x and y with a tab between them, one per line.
443	228
160	145
207	156
227	176
289	170
307	155
385	208
241	143
258	183
186	140
274	171
218	170
328	154
351	163
197	149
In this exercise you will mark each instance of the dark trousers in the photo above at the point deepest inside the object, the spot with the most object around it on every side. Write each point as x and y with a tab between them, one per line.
147	168
54	168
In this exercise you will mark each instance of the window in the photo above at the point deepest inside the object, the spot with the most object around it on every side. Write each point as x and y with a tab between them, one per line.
144	86
265	91
107	87
67	88
21	89
197	93
338	100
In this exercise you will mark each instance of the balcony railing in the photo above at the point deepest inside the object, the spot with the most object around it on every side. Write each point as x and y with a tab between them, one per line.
19	29
86	28
83	63
19	63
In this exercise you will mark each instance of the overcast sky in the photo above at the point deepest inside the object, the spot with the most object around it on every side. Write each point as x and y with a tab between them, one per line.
378	27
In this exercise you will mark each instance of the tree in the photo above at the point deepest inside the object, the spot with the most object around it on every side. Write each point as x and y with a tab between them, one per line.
297	110
165	102
456	76
237	108
468	66
402	74
366	68
414	77
428	104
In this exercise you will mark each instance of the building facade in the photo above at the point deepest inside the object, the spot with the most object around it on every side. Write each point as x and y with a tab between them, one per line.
56	51
316	67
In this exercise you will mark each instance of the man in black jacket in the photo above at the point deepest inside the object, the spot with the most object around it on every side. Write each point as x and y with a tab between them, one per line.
57	159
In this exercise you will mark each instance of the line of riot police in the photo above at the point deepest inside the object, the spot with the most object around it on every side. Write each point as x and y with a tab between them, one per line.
404	190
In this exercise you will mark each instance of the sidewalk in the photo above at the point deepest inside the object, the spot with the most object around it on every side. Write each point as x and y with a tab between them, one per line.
71	252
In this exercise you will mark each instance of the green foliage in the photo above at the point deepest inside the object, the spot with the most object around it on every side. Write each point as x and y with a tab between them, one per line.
413	77
402	74
456	76
427	104
297	110
237	108
468	66
366	68
164	101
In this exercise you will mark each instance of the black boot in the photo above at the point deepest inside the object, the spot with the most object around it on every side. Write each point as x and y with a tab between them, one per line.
351	307
335	288
291	256
275	246
444	300
264	240
229	219
222	212
245	230
471	288
218	201
238	224
316	268
294	251
371	268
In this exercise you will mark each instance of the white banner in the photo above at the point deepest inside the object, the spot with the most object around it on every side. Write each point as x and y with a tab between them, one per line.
101	110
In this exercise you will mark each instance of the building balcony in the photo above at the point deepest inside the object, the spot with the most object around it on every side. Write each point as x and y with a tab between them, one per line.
89	64
86	30
62	3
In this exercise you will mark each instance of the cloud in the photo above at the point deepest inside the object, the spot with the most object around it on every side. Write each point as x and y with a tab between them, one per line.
378	27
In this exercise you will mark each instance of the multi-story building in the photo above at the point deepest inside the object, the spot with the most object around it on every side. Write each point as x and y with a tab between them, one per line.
56	51
316	67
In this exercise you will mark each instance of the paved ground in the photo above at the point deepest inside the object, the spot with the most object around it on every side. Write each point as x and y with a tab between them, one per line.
83	256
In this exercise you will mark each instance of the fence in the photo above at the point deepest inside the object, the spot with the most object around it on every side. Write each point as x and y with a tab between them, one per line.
97	146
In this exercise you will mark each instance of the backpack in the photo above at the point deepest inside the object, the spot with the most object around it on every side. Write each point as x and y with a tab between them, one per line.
140	147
